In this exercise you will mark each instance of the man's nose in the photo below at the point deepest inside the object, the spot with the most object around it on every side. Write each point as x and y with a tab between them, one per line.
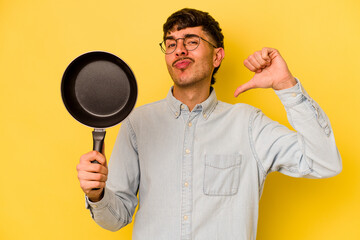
180	48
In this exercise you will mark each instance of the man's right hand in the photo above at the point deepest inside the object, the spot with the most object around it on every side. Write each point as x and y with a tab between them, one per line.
92	176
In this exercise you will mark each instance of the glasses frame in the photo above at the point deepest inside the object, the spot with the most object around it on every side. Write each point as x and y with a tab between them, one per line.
176	43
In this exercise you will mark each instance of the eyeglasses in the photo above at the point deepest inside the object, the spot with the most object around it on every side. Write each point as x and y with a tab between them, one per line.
191	42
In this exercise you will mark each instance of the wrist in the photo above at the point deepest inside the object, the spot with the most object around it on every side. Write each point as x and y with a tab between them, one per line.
96	197
288	82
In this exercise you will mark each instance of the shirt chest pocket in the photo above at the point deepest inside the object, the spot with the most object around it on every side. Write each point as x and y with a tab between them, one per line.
222	174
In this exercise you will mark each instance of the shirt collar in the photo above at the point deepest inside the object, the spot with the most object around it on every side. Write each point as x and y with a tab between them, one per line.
207	107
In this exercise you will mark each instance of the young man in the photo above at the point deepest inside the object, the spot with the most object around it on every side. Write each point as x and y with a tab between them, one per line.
199	164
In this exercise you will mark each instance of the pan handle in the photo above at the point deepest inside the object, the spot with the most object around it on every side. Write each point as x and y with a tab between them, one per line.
98	142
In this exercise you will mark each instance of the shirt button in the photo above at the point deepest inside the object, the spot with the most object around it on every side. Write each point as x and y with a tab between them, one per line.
189	124
177	114
293	94
186	184
186	217
95	206
205	115
187	151
182	107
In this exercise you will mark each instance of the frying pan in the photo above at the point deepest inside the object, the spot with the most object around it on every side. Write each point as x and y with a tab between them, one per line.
99	90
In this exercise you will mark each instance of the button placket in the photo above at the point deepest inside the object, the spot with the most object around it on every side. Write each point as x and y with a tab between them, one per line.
187	164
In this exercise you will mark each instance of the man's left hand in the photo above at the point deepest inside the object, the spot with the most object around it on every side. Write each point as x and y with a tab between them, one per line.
270	70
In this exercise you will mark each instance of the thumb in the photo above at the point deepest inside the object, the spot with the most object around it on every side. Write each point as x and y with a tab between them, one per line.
243	88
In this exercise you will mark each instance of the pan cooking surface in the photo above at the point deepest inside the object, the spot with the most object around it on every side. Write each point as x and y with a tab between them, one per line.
102	88
99	89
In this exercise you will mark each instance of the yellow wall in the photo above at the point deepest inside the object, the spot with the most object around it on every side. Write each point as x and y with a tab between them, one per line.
40	197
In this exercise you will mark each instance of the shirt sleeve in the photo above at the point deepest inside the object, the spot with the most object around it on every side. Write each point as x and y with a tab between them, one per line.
309	152
115	210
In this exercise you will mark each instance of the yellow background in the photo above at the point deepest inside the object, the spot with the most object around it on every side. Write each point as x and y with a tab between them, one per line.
41	143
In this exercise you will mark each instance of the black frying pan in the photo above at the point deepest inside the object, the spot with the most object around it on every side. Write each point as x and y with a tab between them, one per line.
99	90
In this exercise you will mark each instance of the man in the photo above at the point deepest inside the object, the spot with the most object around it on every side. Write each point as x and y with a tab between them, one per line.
199	164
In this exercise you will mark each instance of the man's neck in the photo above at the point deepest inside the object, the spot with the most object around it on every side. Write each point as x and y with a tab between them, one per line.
191	96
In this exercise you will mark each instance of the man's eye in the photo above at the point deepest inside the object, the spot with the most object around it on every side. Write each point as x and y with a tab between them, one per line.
170	45
192	42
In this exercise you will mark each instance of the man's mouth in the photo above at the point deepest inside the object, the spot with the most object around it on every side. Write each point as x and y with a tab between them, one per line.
182	63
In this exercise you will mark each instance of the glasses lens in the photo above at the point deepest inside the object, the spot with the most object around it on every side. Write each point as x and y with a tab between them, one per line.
192	42
168	46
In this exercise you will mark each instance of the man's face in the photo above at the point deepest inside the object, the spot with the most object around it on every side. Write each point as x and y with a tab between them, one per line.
188	68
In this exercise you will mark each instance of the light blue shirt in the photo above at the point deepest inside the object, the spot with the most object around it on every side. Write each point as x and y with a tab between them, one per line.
200	174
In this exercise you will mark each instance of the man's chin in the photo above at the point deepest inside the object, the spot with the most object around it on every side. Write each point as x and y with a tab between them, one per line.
181	79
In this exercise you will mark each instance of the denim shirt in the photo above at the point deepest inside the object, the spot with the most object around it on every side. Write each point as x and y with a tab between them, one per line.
200	174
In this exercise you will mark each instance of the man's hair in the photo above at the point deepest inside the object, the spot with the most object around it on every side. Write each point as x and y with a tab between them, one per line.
188	17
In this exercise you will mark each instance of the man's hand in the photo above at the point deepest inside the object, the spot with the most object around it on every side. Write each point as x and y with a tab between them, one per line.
270	70
92	176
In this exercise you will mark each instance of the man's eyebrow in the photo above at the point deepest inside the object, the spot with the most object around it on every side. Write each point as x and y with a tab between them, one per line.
191	35
186	35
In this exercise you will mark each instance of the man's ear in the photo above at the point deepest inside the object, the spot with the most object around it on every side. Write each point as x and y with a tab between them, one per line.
218	56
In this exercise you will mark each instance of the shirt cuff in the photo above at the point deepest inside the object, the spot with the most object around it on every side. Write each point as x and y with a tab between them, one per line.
292	96
100	204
